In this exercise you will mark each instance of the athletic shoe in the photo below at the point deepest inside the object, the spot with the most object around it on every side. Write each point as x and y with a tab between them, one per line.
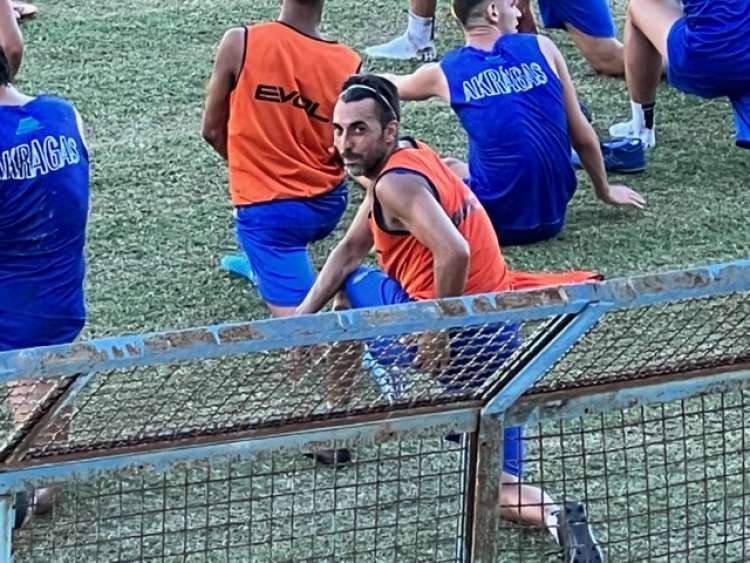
24	506
576	537
237	263
626	129
403	49
332	458
625	156
390	380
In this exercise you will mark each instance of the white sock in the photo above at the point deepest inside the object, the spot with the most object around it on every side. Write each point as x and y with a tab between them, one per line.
639	122
552	523
420	30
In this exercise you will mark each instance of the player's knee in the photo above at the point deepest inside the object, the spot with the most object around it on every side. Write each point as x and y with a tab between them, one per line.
636	7
604	55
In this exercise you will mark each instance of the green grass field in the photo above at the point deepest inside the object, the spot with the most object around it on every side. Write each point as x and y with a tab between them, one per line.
161	220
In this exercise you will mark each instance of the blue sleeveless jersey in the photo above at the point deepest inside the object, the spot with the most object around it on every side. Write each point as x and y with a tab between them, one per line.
510	102
44	197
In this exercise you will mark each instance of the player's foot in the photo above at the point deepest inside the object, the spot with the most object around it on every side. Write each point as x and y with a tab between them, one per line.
576	536
625	156
237	263
389	379
404	49
627	129
332	458
24	506
33	503
24	11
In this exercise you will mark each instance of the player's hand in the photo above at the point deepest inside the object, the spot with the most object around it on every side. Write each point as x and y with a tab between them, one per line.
433	351
620	195
299	359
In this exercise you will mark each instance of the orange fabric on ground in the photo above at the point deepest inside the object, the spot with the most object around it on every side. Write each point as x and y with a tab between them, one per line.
533	280
280	138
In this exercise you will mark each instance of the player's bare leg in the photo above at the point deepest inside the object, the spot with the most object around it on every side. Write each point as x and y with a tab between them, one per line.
568	524
342	360
25	397
418	42
603	54
647	26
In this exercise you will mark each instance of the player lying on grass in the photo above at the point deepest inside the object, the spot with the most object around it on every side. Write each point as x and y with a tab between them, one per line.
44	196
433	240
514	97
588	22
706	44
268	113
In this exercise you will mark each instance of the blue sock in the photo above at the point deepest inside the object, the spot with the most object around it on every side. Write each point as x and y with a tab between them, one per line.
238	263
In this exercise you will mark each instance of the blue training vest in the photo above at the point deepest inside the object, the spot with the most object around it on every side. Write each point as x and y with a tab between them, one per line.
44	200
510	102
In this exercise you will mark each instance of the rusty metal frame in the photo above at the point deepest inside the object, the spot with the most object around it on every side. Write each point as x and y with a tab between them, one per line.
270	334
577	307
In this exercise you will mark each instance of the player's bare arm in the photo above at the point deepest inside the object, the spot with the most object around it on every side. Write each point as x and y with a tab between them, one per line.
428	81
346	257
409	204
584	138
226	69
11	39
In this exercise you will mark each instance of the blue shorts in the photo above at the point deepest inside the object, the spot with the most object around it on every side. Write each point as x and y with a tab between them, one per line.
275	235
496	209
709	73
592	17
19	331
741	111
489	346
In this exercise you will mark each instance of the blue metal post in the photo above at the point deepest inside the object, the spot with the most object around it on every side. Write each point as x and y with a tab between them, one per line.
538	365
7	516
488	473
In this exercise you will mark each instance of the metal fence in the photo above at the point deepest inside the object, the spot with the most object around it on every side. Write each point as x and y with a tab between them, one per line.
199	445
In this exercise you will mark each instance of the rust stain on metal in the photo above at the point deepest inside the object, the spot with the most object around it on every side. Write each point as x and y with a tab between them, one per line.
482	305
379	316
182	339
80	352
542	296
451	308
239	333
684	280
132	349
117	352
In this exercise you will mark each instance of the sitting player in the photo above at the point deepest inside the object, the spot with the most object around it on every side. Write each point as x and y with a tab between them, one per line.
516	101
268	111
44	197
588	22
706	44
433	240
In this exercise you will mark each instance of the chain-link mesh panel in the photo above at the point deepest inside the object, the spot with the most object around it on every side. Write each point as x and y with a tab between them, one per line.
665	338
398	501
661	484
207	397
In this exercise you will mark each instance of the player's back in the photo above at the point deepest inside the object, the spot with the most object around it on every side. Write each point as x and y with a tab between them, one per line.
44	194
510	102
408	261
280	143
